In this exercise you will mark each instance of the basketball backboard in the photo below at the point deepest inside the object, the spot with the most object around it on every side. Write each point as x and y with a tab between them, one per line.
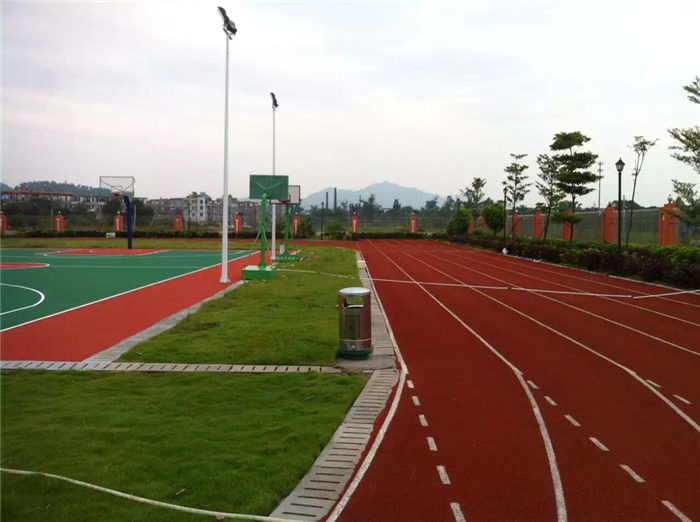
276	187
294	196
119	185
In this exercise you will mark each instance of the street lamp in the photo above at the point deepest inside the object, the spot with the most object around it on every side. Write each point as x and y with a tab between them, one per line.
274	207
322	207
505	214
620	165
229	30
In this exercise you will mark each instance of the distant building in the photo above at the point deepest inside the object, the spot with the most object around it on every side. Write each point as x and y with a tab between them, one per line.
58	199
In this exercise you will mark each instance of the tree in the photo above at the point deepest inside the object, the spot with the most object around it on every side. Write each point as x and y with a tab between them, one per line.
459	224
548	188
573	176
688	143
640	147
516	183
493	216
475	194
431	206
448	207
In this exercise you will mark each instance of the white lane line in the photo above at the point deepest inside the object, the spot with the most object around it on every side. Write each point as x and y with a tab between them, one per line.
340	506
457	512
431	444
534	386
116	295
410	384
682	399
629	371
655	385
422	420
444	477
550	400
572	420
41	298
599	444
544	433
673	509
415	400
632	473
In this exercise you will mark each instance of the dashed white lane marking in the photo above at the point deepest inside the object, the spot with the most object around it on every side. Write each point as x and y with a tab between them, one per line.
673	509
550	401
457	512
682	399
653	383
599	444
444	477
533	385
422	420
415	400
632	473
431	444
410	384
572	420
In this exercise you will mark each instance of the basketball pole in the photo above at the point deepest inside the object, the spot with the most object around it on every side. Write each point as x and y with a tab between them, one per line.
273	257
229	31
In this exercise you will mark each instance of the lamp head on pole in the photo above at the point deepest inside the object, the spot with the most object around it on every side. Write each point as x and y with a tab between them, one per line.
505	191
229	26
274	100
620	165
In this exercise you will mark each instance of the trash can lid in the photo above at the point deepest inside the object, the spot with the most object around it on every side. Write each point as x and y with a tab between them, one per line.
355	291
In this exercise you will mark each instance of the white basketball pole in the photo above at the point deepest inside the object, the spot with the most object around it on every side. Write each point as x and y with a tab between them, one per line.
274	207
229	31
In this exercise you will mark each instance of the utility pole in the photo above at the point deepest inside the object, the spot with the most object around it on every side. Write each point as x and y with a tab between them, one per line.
600	174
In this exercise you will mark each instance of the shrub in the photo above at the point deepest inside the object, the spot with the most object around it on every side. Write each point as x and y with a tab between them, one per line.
336	231
459	224
654	268
493	215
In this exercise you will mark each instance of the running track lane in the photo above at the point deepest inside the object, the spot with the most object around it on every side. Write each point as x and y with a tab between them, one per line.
636	428
79	334
476	412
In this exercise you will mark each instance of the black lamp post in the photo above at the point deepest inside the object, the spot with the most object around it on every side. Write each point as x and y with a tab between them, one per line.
505	214
620	165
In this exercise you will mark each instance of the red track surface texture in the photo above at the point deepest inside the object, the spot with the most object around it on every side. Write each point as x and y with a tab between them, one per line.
611	385
81	333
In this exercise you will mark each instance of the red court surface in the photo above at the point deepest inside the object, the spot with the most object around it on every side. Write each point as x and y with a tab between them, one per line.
533	406
78	334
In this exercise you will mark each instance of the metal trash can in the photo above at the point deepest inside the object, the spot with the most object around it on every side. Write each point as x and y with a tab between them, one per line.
354	306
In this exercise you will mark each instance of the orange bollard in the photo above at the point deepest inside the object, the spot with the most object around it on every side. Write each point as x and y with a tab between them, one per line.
413	224
669	226
296	223
59	222
237	223
119	223
516	224
568	229
471	225
355	224
539	225
178	223
609	225
3	223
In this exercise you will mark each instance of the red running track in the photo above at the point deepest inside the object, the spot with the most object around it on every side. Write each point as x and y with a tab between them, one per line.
622	447
78	334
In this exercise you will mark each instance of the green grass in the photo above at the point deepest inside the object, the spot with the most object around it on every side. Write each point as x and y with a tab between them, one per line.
165	244
292	319
224	442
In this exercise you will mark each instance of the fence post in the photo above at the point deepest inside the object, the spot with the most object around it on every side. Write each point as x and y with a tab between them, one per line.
482	223
178	223
119	223
609	225
3	223
538	225
237	223
669	226
568	228
59	222
516	224
296	223
413	224
355	224
471	225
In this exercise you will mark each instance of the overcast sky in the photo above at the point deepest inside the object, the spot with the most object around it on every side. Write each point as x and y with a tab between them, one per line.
427	95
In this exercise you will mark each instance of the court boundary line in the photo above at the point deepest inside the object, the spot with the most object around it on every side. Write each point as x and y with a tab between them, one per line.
41	299
115	295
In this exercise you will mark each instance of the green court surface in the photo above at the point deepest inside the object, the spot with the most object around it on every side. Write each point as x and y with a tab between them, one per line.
28	294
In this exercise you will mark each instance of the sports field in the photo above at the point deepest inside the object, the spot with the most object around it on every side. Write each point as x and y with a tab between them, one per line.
46	293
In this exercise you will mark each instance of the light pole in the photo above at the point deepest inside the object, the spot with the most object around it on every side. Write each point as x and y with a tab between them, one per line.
505	214
274	207
620	165
229	30
322	207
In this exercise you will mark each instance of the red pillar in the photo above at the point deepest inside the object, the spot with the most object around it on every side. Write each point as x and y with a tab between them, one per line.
610	225
237	223
178	223
59	223
296	223
471	225
568	229
3	223
482	223
669	226
413	224
355	224
516	224
539	225
119	223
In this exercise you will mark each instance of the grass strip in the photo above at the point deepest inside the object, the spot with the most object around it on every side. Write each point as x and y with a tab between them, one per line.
223	442
292	319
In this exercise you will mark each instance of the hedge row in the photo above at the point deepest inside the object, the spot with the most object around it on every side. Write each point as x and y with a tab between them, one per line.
676	265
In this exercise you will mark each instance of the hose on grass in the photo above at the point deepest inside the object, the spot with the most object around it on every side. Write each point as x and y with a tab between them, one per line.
196	511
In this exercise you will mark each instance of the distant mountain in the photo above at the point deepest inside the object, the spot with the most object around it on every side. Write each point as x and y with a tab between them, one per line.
54	186
4	186
385	194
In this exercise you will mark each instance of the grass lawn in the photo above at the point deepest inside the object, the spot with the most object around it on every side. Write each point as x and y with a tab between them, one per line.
292	319
165	244
225	442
